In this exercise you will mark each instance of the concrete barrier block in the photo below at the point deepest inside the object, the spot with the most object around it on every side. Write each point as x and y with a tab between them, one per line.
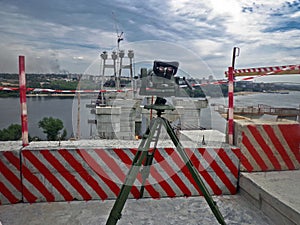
95	173
268	145
10	173
69	174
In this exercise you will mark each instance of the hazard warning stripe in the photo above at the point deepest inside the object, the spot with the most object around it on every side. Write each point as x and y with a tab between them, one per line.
166	187
166	176
83	173
292	138
61	91
254	153
179	162
12	179
203	172
172	174
99	171
11	185
8	194
110	162
127	161
16	177
166	169
35	182
66	174
244	161
279	147
219	172
157	177
228	162
260	140
288	69
267	147
48	175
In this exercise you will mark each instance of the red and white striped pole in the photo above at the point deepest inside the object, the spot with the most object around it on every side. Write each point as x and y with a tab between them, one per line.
230	105
22	86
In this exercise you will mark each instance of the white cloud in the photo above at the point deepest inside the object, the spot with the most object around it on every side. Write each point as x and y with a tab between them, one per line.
209	29
295	15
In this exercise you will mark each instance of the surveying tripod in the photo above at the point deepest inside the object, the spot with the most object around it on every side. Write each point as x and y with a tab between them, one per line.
144	155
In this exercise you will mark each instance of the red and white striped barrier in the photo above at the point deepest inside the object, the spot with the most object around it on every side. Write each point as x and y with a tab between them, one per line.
288	69
10	177
268	147
84	174
61	91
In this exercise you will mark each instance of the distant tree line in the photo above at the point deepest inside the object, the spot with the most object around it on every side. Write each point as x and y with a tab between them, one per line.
46	81
52	127
59	82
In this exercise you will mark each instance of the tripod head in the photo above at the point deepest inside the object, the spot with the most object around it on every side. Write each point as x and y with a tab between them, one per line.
160	106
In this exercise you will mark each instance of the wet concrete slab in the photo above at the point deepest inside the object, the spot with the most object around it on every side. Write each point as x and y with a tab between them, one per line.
167	211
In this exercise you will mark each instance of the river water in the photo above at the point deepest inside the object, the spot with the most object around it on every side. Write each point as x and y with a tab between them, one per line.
66	110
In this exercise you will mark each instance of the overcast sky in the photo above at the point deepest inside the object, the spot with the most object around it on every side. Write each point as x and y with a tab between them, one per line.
65	35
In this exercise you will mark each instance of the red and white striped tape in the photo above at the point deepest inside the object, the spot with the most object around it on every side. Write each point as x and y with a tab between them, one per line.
61	91
270	147
84	174
292	69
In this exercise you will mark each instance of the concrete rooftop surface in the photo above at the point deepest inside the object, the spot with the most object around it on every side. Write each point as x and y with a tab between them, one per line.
166	211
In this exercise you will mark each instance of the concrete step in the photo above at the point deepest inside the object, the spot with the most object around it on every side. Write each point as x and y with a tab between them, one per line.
277	194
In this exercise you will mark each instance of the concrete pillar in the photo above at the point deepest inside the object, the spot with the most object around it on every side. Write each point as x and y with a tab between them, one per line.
108	121
191	112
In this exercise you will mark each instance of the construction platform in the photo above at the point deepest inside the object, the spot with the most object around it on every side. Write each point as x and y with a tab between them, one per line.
276	194
166	211
263	197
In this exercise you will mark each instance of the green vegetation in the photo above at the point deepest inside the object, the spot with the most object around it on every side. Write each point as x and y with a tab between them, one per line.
46	81
61	85
52	128
12	133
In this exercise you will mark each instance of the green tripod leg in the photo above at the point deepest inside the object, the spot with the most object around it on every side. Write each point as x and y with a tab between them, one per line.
141	154
146	171
213	206
150	155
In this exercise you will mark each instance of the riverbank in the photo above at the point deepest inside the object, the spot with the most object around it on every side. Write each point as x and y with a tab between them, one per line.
246	93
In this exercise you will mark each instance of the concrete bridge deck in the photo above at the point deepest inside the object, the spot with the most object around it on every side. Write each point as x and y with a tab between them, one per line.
191	211
276	194
265	198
